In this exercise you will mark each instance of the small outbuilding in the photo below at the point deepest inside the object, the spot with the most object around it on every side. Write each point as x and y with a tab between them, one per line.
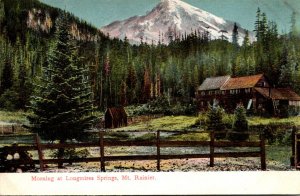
115	117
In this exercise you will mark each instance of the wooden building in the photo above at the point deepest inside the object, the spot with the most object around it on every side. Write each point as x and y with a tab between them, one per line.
254	92
115	117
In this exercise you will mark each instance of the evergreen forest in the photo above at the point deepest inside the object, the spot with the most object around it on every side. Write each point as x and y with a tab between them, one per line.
123	74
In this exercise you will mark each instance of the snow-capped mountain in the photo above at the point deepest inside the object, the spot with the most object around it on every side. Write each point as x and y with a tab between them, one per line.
171	19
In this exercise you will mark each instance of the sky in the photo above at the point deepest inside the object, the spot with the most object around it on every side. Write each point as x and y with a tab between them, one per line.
103	12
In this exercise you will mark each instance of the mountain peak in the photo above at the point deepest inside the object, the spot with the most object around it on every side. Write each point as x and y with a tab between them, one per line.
168	20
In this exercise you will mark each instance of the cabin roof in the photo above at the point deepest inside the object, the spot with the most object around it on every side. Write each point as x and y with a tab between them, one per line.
116	111
279	93
242	82
213	83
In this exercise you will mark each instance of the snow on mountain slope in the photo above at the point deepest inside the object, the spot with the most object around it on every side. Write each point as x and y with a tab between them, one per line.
170	19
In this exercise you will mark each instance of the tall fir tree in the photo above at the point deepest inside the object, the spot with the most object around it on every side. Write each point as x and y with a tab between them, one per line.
7	77
240	125
146	86
235	35
257	24
131	82
2	14
294	29
62	105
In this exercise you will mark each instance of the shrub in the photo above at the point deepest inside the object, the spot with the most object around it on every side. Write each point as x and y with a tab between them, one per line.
240	125
278	133
201	120
228	120
161	106
293	110
9	100
283	111
215	121
71	153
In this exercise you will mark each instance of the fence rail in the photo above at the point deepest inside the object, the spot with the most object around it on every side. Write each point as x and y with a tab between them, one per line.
11	128
159	143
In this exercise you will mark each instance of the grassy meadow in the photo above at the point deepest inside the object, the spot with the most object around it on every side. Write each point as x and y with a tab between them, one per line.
277	155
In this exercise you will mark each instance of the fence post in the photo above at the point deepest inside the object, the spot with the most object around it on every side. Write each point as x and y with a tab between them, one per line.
212	141
158	149
293	146
262	152
296	150
12	128
40	151
102	161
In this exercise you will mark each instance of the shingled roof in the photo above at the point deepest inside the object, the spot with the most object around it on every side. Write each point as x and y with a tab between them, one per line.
213	83
242	82
279	94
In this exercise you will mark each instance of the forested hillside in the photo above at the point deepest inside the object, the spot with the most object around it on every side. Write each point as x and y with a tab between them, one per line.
124	74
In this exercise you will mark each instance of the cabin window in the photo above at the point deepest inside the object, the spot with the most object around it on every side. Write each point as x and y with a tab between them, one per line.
235	91
247	90
211	92
202	93
223	92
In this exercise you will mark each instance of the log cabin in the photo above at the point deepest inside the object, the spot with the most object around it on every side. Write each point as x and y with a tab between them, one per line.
254	92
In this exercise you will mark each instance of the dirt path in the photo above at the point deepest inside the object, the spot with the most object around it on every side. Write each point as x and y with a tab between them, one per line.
177	165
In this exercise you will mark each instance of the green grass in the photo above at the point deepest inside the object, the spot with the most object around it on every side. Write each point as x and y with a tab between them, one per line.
166	123
190	137
265	121
145	137
177	123
13	117
279	154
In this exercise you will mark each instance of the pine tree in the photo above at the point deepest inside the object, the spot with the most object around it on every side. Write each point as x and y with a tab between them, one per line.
123	91
2	14
131	82
246	42
62	105
240	125
7	77
215	121
235	35
235	43
146	86
257	24
294	29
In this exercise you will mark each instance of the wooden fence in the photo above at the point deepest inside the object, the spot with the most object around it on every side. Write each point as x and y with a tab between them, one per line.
11	129
295	159
159	143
